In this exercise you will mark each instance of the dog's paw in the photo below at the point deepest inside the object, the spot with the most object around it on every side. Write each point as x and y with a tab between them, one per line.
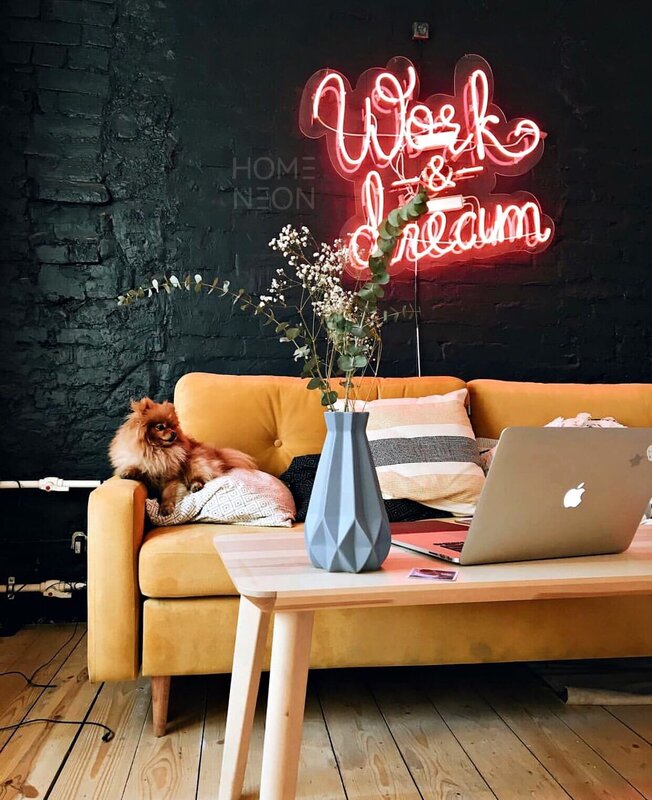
165	509
196	486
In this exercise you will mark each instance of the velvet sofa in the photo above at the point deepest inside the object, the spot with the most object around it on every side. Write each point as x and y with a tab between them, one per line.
160	601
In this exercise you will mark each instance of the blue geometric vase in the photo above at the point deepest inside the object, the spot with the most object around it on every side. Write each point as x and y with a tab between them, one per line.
346	528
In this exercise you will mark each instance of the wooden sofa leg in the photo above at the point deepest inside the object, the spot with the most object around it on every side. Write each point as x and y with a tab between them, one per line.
160	698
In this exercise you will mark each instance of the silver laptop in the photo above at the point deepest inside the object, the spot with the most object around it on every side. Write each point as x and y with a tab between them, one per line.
550	493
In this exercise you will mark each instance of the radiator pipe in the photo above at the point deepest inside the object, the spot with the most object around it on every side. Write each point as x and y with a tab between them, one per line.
52	588
49	484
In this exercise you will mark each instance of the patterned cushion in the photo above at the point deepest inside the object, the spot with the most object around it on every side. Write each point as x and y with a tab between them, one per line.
240	497
425	450
300	477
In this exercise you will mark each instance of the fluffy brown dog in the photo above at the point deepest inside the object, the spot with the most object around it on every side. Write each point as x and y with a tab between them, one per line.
151	447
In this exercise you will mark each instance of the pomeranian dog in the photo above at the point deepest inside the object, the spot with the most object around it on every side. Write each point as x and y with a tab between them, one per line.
151	447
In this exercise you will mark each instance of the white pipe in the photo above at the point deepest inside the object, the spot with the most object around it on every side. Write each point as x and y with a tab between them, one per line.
49	484
24	587
52	588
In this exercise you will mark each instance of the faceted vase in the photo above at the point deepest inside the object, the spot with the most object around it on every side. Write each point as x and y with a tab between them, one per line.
347	529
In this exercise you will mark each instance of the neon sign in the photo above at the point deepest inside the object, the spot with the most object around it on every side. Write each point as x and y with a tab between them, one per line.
386	141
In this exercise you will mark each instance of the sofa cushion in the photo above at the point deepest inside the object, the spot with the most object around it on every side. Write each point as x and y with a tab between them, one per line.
425	450
239	497
275	418
181	561
300	478
497	404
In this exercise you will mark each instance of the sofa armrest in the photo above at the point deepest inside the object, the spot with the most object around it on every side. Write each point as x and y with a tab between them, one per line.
116	521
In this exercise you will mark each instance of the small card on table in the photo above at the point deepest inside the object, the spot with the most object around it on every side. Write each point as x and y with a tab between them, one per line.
433	574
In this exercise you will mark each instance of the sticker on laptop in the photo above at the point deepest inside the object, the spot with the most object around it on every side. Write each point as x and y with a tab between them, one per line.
433	574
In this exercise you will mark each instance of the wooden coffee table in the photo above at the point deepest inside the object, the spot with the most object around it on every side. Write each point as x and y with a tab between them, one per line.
273	575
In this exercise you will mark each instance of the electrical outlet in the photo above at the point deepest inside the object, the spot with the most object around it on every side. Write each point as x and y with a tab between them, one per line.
420	31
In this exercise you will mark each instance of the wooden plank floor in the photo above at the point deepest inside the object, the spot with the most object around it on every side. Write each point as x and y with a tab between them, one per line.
439	733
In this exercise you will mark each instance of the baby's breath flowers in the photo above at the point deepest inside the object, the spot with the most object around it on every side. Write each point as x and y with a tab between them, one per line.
336	330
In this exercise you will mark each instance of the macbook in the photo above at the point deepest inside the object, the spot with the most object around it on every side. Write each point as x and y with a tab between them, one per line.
550	493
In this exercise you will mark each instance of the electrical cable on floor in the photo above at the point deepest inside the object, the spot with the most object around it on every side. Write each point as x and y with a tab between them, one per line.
30	678
106	737
51	659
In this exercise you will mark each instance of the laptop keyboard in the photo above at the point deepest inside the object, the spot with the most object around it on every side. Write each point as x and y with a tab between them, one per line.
455	546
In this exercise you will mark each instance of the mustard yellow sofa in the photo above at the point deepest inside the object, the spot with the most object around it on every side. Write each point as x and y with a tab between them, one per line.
160	600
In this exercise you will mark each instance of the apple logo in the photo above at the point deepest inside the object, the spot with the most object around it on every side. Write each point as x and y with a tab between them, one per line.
573	497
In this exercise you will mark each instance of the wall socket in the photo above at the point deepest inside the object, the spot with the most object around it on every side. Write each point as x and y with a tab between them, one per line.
78	543
420	31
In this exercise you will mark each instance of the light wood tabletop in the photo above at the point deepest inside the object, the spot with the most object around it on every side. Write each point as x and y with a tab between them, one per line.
275	567
272	572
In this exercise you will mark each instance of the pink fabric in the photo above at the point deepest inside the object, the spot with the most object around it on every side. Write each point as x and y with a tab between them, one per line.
584	420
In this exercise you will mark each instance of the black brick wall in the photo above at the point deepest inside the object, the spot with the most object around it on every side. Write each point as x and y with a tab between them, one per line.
123	121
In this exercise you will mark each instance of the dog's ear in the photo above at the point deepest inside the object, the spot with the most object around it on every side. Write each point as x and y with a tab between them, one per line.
169	410
144	404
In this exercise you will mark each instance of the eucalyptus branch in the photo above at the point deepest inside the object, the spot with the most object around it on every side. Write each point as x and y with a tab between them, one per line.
336	332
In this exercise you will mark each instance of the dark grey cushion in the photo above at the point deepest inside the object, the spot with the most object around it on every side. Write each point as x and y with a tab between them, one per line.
300	477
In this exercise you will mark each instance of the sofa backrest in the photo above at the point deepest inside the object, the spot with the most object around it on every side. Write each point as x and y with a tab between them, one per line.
498	404
275	418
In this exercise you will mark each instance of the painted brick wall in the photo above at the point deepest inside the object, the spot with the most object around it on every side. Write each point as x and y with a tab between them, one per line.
140	135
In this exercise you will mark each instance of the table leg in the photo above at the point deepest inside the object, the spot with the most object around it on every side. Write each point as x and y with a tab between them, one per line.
285	705
250	639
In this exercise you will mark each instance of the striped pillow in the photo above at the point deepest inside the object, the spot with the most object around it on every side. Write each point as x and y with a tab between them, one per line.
425	450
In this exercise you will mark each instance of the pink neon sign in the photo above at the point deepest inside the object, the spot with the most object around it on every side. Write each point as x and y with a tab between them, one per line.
386	141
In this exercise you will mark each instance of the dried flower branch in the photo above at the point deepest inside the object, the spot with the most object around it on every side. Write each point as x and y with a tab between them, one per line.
337	330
